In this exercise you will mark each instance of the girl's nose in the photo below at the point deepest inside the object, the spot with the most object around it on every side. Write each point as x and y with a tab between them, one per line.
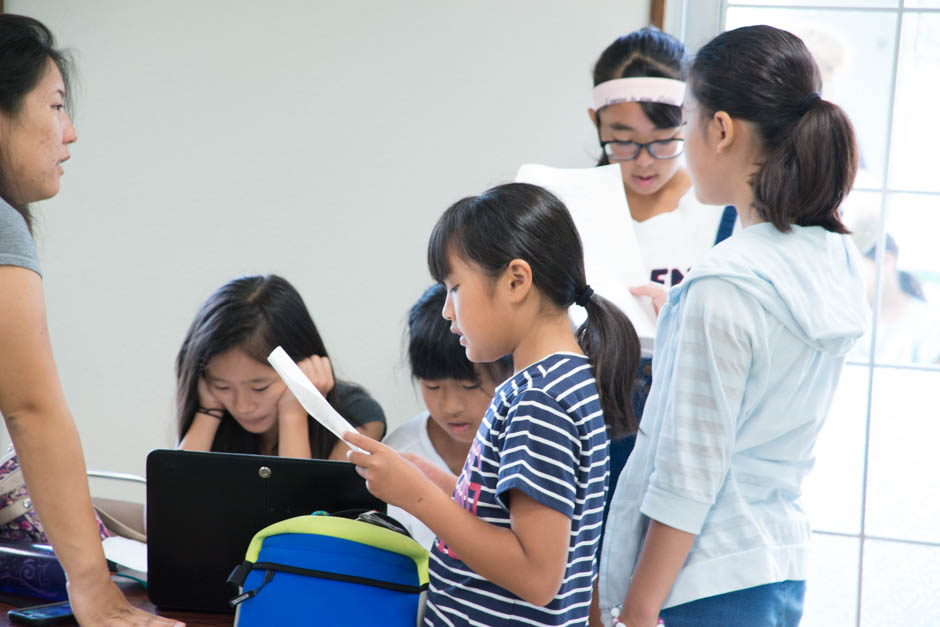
448	311
70	135
453	404
644	159
243	403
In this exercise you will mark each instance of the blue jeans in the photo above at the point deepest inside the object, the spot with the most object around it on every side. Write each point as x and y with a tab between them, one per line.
772	605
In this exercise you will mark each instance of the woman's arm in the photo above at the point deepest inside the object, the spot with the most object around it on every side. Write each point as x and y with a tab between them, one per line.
50	454
528	559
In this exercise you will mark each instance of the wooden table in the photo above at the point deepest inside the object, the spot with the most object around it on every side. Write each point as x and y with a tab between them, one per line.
137	595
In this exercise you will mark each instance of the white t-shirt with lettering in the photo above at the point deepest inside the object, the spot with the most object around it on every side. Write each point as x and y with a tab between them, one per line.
671	242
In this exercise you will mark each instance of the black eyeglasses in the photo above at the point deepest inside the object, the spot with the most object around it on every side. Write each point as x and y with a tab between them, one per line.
628	151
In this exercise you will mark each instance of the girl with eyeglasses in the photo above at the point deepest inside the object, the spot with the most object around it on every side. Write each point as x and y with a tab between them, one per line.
638	87
638	91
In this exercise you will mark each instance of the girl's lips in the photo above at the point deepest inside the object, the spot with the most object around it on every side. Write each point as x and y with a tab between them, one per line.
644	181
463	341
459	427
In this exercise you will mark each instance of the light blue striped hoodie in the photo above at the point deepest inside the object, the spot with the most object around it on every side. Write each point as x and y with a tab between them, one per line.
749	348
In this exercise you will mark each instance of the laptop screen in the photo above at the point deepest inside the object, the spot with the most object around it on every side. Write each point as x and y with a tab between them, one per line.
204	508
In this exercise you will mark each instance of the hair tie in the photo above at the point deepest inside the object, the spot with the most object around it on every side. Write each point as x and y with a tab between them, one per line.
585	296
807	102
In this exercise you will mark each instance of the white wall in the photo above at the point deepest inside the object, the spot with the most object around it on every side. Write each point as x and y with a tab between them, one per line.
317	140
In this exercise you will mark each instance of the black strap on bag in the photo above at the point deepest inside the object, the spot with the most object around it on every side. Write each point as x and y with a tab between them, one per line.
238	576
241	571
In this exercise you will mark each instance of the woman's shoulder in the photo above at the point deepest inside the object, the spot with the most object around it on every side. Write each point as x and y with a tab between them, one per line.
17	247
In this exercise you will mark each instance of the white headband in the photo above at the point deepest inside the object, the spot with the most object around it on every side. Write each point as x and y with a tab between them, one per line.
639	89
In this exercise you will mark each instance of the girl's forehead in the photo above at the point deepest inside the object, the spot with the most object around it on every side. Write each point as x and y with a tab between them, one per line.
625	116
458	266
235	363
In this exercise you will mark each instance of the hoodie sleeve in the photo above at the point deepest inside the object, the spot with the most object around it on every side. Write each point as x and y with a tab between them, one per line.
718	327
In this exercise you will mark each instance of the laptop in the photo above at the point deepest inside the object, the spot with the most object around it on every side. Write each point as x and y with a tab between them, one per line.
204	508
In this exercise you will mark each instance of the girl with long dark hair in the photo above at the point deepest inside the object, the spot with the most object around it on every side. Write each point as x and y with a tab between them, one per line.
230	399
705	525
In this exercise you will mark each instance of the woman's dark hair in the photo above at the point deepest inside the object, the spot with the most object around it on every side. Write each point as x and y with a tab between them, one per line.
522	221
435	353
255	314
767	76
645	52
26	47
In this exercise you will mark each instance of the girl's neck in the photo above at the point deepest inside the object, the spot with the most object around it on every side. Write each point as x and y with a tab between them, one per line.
646	206
549	333
453	452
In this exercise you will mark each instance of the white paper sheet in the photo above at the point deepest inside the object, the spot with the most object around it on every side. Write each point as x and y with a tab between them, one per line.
612	259
308	395
131	554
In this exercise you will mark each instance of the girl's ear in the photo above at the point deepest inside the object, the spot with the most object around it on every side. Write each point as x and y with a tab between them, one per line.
517	280
593	115
724	131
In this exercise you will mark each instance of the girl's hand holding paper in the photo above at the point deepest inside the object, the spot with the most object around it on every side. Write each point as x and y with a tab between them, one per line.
388	475
307	393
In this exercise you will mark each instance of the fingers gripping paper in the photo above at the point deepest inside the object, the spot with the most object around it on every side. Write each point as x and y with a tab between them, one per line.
308	395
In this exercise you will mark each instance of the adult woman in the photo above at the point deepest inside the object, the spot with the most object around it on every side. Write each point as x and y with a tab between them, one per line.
35	132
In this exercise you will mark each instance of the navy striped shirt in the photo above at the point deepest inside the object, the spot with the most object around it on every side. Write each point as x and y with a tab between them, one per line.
543	434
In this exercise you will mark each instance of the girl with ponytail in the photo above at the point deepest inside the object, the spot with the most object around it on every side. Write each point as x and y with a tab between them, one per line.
517	532
705	525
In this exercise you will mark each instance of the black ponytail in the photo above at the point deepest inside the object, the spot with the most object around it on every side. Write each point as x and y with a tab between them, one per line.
609	339
767	76
522	221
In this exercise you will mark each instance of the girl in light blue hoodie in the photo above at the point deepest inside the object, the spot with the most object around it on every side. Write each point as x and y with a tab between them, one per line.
706	526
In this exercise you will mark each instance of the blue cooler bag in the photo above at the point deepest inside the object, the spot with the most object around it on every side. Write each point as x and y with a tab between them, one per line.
329	570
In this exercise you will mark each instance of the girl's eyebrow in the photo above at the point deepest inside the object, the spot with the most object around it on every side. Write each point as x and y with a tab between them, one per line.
255	380
618	126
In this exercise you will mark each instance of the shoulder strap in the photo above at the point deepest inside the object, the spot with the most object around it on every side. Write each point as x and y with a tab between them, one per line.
726	226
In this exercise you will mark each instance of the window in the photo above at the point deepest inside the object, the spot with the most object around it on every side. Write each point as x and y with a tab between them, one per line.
874	496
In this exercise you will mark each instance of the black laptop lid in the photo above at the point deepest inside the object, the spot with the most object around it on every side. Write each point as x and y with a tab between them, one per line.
204	508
